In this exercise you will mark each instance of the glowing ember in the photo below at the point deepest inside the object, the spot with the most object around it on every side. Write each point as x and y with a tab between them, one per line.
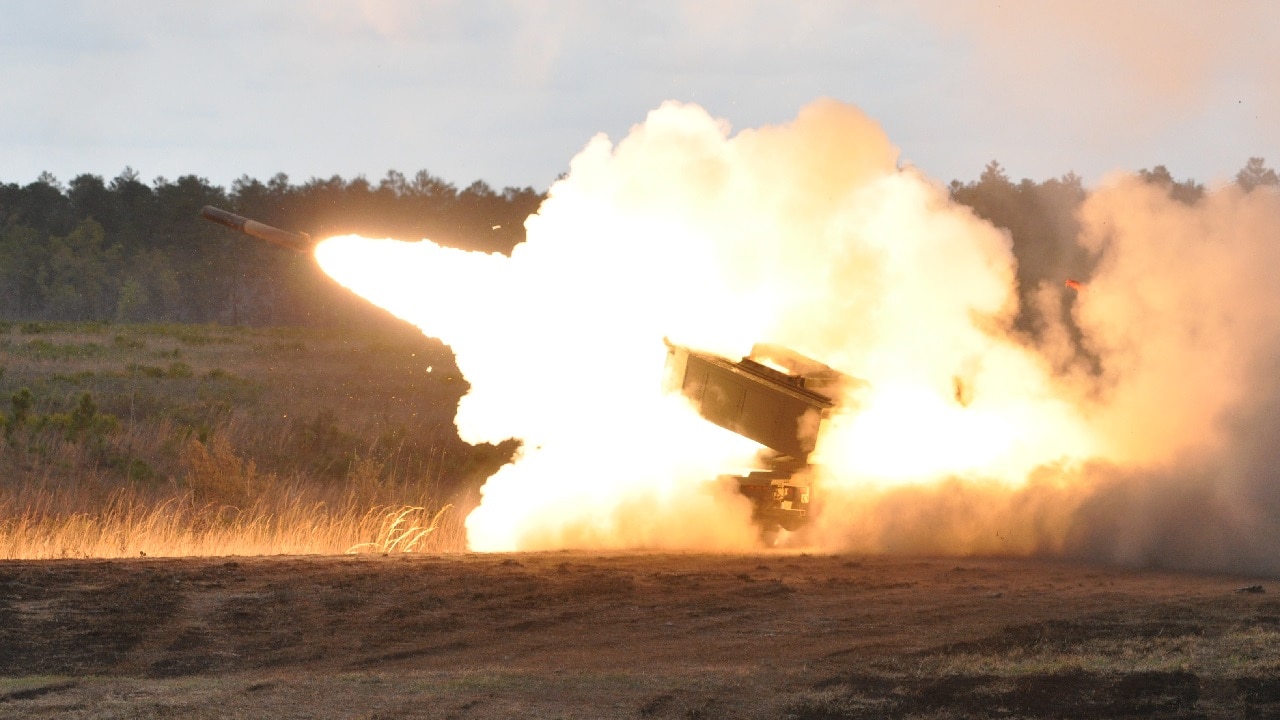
963	438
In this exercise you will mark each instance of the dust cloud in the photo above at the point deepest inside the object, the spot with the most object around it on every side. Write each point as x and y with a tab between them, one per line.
1143	437
1176	380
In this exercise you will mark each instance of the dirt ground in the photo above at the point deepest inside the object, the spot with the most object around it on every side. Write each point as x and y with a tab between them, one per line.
584	635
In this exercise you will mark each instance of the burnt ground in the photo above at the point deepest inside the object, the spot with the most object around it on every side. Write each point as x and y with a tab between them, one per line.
583	635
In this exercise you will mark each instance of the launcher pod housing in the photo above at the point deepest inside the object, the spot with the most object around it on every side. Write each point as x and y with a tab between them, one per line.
775	397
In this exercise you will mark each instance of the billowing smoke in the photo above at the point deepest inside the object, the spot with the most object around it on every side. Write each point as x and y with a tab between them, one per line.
1140	436
1183	313
1179	391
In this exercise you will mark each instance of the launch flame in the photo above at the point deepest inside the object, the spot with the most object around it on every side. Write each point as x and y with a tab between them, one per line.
963	438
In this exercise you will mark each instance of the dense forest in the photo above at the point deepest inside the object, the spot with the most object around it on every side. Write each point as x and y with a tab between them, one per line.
125	251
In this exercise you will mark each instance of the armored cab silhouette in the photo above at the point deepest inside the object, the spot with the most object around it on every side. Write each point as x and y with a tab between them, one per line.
775	397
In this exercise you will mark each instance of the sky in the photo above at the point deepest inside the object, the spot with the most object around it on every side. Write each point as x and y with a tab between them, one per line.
508	91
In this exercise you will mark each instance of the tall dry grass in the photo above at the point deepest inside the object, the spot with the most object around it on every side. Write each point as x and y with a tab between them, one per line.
230	441
224	507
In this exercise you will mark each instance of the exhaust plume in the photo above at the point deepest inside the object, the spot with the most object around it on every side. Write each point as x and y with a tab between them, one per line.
963	438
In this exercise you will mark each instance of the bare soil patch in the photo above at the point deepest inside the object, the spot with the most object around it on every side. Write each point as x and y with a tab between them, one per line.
583	635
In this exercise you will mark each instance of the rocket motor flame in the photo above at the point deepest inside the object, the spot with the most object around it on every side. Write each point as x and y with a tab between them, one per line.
963	438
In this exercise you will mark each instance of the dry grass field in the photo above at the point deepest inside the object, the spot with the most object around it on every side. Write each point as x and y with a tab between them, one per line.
167	440
582	635
216	522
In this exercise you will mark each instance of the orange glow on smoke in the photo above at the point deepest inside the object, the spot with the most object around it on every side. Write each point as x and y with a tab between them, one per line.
805	235
809	236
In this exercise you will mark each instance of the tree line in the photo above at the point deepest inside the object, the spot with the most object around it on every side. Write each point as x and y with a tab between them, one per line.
126	251
1042	223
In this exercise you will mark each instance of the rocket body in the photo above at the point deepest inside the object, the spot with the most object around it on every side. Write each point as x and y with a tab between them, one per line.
295	241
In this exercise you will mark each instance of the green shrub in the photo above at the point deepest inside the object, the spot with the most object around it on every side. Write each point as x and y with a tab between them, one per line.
21	403
83	421
135	469
45	350
328	448
74	378
145	370
191	337
179	370
140	471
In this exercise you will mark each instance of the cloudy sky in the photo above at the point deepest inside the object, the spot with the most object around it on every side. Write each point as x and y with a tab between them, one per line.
507	91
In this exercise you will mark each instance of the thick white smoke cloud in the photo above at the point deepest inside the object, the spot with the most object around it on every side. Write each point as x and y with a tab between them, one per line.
810	236
1177	383
1184	317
